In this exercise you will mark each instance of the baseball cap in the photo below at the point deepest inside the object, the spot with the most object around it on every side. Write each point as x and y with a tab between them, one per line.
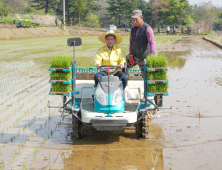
136	13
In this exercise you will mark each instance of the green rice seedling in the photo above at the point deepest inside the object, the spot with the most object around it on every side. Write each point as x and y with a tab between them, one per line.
61	61
152	88
26	22
24	165
161	87
35	153
156	61
19	148
10	160
158	75
60	87
14	153
61	75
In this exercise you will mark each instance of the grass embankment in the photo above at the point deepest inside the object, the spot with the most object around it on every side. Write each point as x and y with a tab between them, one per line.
215	36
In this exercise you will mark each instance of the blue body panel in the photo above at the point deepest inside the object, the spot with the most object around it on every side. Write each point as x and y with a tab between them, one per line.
77	103
113	109
142	105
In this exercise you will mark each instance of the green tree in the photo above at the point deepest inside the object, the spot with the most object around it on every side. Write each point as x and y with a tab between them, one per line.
205	15
92	21
43	4
3	11
79	7
178	10
188	20
157	11
117	10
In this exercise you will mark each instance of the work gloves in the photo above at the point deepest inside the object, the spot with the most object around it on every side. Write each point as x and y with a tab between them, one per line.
131	59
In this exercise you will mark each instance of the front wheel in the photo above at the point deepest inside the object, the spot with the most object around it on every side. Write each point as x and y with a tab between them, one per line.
142	127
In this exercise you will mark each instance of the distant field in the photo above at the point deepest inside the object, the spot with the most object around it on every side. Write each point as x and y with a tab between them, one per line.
41	49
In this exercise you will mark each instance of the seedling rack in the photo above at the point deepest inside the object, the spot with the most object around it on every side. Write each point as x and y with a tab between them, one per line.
158	96
68	104
65	82
61	69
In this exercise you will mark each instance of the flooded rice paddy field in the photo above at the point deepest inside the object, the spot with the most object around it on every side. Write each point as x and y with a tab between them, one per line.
186	137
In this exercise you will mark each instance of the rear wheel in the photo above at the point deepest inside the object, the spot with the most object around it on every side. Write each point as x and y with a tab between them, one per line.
142	127
77	126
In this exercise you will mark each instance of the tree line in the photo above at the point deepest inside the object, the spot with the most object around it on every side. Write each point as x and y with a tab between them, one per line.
155	12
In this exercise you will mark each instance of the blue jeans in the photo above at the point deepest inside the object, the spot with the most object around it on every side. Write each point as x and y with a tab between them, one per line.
119	74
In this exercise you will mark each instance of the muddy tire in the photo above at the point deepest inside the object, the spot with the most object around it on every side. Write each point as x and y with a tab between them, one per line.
76	125
142	127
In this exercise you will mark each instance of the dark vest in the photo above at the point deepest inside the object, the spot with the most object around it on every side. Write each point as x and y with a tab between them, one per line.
141	46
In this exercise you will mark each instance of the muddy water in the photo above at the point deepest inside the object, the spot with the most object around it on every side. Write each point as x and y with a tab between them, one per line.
186	137
192	129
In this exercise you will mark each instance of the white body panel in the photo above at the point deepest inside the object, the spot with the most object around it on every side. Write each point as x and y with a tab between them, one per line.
86	91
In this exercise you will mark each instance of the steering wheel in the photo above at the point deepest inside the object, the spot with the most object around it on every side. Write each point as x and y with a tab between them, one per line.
112	68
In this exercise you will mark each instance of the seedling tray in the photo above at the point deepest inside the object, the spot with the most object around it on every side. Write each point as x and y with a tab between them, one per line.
156	69
160	93
61	69
157	81
60	93
61	81
60	87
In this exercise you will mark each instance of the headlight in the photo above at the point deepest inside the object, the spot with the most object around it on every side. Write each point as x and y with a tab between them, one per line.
101	96
117	96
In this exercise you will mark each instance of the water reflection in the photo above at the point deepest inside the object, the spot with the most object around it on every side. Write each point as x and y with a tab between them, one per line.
174	59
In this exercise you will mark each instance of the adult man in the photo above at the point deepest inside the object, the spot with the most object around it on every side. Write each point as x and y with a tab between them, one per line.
168	29
131	25
182	30
56	21
110	54
174	30
159	27
142	41
124	25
